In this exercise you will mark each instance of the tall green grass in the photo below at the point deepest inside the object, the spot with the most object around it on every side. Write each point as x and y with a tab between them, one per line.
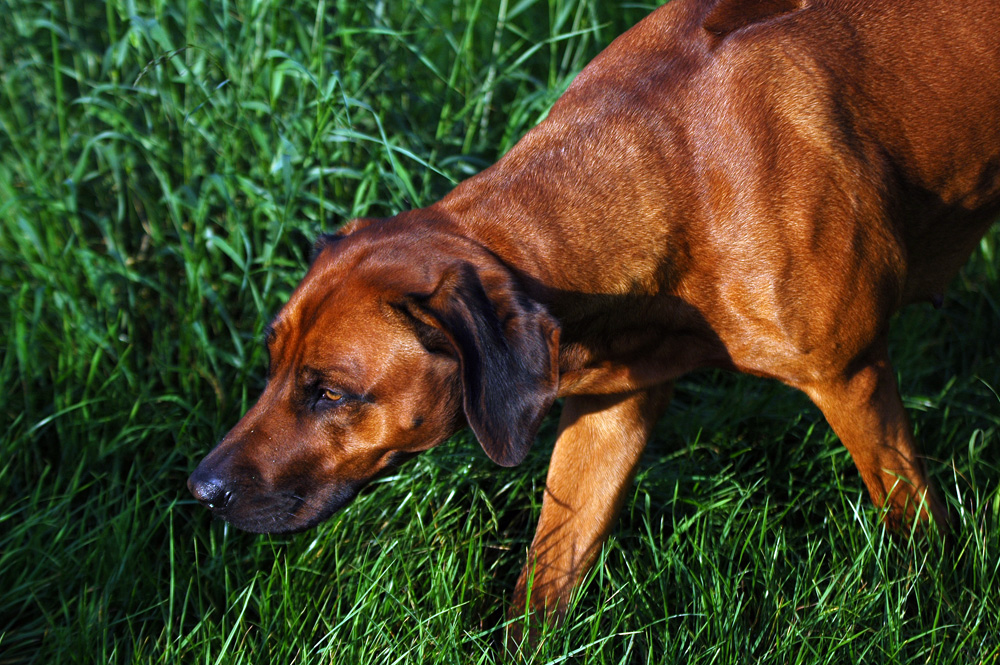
164	168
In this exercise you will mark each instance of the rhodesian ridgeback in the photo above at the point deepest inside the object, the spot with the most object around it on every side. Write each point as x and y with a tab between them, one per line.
751	185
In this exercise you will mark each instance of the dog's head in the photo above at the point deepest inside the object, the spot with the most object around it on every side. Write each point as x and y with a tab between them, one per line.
395	335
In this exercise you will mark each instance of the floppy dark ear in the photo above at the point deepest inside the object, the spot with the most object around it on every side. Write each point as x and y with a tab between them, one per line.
507	347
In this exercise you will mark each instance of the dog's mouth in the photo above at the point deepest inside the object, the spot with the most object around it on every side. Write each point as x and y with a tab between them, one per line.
289	510
282	511
283	508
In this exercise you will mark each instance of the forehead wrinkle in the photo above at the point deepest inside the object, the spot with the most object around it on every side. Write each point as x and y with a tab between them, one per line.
330	341
290	331
344	309
404	347
324	279
388	353
378	373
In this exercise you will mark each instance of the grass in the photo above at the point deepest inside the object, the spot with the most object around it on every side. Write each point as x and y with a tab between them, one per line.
164	168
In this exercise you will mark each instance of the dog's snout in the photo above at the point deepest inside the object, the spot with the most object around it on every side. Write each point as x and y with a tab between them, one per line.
209	489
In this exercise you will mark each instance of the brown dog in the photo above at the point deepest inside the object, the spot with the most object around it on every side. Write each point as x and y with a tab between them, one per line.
755	185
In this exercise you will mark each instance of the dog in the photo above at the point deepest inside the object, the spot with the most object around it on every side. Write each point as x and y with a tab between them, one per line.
749	185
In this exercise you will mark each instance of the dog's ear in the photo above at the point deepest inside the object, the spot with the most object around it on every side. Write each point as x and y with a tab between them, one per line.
355	224
507	348
322	242
330	239
728	16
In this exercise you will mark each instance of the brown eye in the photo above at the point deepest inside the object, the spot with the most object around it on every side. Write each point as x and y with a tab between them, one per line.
332	395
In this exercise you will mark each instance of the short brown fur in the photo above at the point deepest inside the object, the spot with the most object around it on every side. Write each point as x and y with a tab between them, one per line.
749	185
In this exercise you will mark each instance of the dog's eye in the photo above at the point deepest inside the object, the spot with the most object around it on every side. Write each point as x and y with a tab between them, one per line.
331	395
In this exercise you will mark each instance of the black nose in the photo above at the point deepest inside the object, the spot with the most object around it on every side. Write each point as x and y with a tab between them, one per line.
209	489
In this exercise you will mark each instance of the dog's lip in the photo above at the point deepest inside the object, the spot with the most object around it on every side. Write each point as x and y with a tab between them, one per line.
289	509
282	512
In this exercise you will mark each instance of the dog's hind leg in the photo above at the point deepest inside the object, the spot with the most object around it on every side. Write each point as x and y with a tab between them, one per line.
863	407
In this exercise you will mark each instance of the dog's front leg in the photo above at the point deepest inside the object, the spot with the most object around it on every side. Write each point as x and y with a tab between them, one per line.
601	438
